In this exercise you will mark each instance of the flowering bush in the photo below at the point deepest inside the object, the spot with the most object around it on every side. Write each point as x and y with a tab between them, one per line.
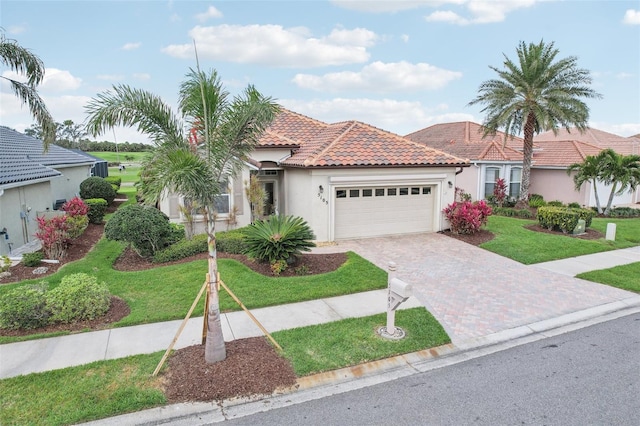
77	219
467	217
54	236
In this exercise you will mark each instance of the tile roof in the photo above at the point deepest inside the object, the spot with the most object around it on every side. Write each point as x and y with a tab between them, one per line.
22	158
592	136
464	139
562	153
347	144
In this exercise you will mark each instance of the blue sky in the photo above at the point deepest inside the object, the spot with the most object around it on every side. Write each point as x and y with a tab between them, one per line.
398	65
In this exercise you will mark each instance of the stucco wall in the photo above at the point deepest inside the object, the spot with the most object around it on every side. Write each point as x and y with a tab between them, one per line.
34	198
304	198
557	185
67	186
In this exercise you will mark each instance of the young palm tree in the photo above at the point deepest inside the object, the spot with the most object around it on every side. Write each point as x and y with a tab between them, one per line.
588	171
622	172
194	154
24	62
534	95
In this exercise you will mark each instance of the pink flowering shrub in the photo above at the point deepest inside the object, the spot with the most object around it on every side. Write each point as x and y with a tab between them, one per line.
54	236
466	217
77	216
500	192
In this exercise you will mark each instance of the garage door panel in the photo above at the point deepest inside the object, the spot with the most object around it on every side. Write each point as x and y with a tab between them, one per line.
383	215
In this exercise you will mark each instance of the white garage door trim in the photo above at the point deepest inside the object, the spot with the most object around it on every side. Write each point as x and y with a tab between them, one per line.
377	209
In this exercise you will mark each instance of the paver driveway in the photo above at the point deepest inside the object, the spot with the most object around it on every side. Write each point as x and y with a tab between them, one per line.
475	293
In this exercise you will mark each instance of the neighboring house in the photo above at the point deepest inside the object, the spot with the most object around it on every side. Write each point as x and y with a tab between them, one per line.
32	183
492	158
347	180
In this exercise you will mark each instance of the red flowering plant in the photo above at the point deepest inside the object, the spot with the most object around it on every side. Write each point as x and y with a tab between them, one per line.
77	216
500	192
466	217
54	236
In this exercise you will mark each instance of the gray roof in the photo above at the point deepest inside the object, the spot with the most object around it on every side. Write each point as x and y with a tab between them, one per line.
22	158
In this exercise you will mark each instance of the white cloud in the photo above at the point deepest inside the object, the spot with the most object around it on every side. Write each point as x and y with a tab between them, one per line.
481	11
16	29
623	129
131	46
56	80
110	77
405	38
381	77
274	45
212	12
624	75
401	117
632	17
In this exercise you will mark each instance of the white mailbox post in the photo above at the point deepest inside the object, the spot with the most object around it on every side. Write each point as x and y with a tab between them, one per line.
397	292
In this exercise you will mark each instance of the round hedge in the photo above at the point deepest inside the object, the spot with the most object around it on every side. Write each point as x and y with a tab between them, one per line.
97	187
145	227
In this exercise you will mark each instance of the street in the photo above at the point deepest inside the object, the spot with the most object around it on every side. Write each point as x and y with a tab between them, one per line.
586	377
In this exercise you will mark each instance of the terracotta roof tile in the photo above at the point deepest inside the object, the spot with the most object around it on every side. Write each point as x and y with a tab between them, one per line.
599	138
464	139
347	144
562	153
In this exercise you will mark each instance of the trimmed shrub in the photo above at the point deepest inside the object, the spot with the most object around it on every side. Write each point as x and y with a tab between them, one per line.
5	263
76	225
181	249
97	187
78	297
97	209
278	238
511	212
555	203
146	228
234	242
558	218
24	307
536	200
177	233
54	236
574	205
467	217
75	207
624	212
115	181
32	259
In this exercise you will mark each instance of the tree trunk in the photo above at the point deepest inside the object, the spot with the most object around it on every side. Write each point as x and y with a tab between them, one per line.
214	350
597	197
527	157
613	192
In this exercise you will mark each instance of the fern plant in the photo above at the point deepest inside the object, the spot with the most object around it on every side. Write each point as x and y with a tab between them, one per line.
278	238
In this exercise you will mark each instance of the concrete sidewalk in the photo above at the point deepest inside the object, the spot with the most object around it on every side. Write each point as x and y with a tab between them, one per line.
77	349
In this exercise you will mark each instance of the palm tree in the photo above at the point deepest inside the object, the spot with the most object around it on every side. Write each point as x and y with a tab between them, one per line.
589	170
24	62
534	95
622	172
195	151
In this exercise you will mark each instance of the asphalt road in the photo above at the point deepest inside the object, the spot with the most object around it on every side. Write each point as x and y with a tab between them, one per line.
586	377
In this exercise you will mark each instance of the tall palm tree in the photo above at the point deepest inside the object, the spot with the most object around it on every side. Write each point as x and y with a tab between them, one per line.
622	172
535	94
195	151
24	62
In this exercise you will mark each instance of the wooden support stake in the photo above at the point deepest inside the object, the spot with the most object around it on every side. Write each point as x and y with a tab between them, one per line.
184	323
264	330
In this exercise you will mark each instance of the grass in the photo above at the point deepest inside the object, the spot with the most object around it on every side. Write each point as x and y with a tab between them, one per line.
108	388
626	277
78	394
166	293
121	157
514	241
353	341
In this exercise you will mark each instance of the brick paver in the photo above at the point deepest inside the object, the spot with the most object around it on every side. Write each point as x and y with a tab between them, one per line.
475	293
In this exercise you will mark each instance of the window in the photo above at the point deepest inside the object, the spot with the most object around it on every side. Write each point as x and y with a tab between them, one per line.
426	190
341	193
222	202
391	191
354	193
515	178
404	191
367	192
415	191
379	192
491	174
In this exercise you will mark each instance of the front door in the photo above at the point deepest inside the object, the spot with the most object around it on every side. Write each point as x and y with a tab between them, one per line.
270	200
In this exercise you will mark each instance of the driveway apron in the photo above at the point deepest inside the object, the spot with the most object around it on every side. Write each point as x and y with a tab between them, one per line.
475	293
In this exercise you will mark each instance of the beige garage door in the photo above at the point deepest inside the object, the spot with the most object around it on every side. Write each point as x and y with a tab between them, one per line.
369	212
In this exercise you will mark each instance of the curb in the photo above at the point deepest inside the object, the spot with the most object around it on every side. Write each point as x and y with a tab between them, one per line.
343	380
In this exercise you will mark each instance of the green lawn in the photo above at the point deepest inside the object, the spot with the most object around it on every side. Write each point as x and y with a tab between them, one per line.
122	157
514	241
626	277
108	388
